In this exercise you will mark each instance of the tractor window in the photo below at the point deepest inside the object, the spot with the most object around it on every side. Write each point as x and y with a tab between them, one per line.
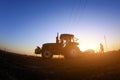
63	42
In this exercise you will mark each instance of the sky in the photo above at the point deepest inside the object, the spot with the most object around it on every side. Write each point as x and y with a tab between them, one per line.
25	24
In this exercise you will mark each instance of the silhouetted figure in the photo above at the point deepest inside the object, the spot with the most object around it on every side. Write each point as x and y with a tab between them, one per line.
57	40
101	48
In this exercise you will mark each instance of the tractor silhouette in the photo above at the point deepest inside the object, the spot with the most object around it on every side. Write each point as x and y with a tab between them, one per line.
65	45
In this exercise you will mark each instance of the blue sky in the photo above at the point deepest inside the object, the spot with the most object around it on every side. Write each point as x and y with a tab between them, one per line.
25	24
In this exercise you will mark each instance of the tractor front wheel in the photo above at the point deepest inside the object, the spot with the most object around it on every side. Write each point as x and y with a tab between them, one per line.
47	54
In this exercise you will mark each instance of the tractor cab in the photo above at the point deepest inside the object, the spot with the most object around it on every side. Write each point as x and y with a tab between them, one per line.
66	39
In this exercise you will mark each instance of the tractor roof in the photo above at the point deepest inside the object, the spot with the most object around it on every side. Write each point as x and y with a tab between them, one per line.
66	36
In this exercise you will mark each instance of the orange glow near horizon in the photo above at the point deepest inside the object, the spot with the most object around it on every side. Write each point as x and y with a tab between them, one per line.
89	46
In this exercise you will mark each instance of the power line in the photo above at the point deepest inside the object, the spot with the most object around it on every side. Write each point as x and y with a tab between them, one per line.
71	13
75	16
74	9
82	11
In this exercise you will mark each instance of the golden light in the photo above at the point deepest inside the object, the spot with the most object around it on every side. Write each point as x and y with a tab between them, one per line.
87	46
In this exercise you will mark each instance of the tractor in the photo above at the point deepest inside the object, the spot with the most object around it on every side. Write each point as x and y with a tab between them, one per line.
65	45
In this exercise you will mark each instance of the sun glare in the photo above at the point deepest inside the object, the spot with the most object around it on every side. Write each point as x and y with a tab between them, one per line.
84	47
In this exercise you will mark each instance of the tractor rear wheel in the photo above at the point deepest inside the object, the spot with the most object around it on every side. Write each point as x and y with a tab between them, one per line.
47	54
72	52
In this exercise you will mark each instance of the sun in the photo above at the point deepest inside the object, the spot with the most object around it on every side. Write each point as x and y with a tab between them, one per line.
83	47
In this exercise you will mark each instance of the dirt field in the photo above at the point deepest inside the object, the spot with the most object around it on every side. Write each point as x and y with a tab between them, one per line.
87	67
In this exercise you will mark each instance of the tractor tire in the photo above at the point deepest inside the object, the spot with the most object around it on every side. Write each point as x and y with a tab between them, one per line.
47	54
72	52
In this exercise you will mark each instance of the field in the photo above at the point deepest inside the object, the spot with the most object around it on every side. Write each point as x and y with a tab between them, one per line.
87	67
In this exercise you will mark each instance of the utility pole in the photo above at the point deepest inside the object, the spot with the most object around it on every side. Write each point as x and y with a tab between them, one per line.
105	42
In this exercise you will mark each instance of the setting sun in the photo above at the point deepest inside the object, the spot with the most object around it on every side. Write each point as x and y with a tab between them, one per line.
84	47
88	44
